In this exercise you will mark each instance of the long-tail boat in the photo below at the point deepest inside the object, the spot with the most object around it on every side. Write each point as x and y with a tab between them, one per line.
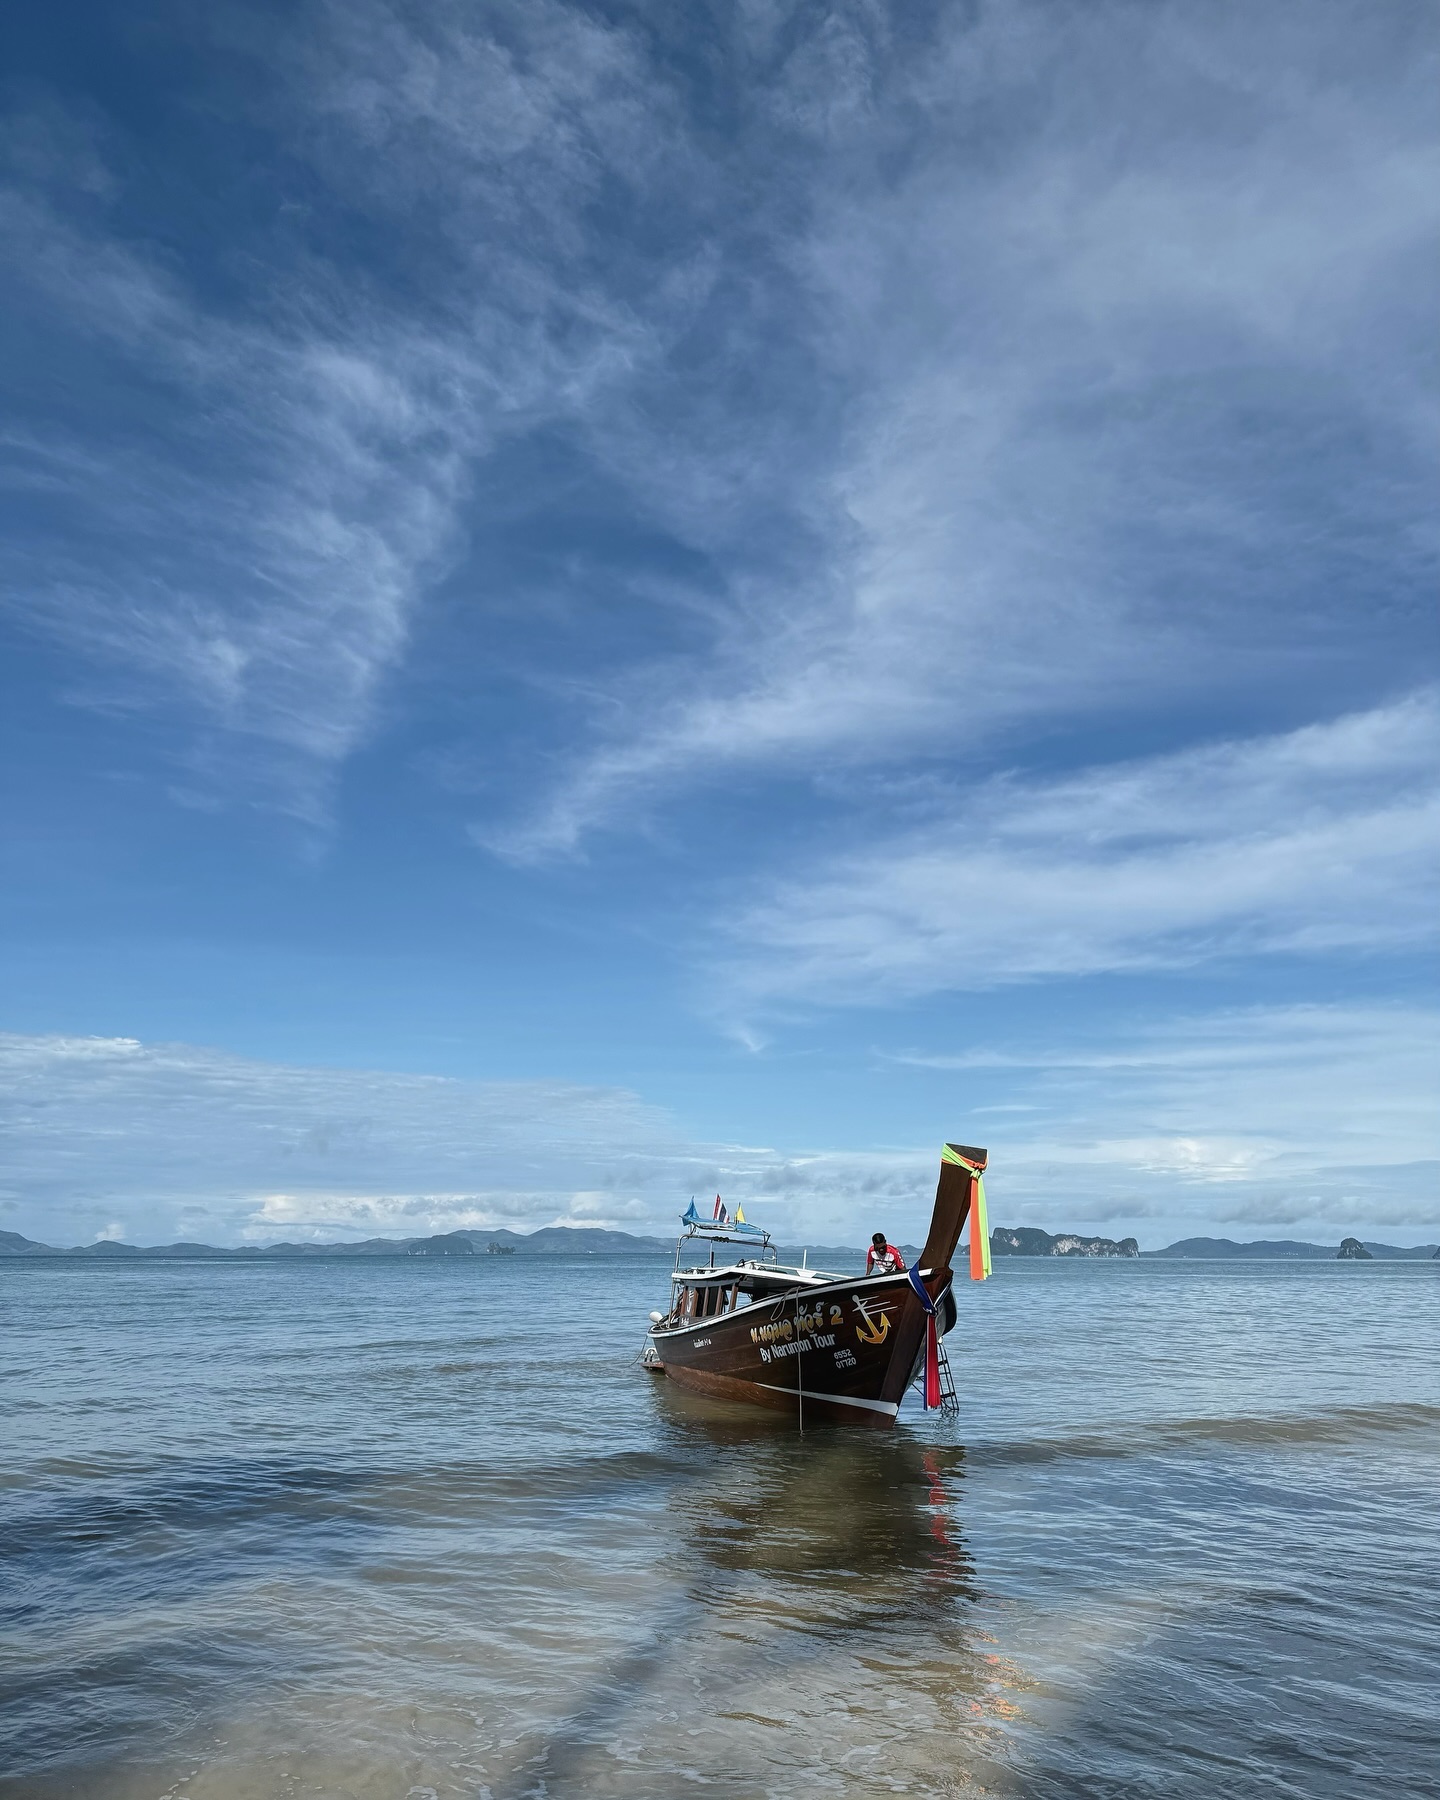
840	1348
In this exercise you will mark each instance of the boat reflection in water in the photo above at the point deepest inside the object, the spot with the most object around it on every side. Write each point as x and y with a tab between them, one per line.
826	1624
829	1348
866	1518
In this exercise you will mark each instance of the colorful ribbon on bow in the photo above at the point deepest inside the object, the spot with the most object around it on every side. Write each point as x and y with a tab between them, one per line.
979	1216
932	1340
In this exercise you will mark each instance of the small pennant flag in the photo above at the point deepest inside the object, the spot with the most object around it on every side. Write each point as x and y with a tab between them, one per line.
721	1218
739	1215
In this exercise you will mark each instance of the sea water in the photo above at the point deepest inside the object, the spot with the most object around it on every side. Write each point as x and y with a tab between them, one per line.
418	1528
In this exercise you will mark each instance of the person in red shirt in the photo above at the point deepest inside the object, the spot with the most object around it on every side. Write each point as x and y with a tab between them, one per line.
882	1258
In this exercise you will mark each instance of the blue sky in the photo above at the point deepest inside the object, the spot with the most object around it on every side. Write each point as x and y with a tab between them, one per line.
606	602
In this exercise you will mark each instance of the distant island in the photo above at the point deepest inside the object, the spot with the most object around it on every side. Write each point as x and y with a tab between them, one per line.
551	1240
586	1240
1211	1249
1026	1240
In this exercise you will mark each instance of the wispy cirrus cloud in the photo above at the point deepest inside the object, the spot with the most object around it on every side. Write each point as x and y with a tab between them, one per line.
237	519
1120	318
1321	840
249	558
901	344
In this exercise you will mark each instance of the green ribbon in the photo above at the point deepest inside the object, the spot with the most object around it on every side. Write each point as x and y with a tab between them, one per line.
949	1154
980	1221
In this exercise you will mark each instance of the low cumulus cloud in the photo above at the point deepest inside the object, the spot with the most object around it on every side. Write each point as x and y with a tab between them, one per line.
1259	1118
198	1135
1318	1115
184	1142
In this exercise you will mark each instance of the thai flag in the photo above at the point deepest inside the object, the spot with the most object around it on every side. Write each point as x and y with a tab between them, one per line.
721	1216
932	1340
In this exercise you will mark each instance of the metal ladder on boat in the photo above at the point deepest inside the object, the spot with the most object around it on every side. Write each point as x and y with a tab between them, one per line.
949	1407
949	1399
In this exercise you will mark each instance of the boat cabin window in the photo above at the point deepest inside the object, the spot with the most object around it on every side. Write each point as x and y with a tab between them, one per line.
707	1302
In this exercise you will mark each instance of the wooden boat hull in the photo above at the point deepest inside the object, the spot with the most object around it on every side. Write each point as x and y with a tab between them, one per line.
844	1352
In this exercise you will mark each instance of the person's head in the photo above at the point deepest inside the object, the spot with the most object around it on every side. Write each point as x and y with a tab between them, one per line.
878	1240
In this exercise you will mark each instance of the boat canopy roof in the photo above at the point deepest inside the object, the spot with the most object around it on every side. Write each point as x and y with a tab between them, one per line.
726	1226
755	1277
757	1273
722	1231
726	1234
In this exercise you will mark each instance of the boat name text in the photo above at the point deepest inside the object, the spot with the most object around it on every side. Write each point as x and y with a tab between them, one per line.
823	1340
786	1328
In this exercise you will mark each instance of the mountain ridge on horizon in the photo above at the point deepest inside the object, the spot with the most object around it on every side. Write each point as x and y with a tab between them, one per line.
562	1240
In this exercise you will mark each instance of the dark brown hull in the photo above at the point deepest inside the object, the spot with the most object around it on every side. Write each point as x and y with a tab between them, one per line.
843	1353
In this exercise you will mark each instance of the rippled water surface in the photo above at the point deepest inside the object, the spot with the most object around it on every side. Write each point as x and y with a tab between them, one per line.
421	1528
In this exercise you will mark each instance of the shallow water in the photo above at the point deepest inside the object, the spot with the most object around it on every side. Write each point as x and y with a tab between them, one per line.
421	1528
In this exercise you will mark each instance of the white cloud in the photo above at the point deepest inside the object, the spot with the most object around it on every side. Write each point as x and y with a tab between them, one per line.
1308	1117
1323	839
258	568
248	533
1264	1118
933	344
1107	306
197	1140
196	1143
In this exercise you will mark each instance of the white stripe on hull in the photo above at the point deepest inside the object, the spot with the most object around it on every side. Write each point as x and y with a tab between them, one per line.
891	1407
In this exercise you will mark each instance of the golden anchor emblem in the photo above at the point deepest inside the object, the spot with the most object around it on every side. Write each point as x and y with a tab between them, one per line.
873	1331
